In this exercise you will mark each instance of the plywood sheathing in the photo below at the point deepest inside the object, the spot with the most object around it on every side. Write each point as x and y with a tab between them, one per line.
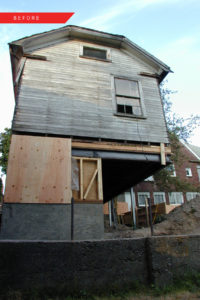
39	170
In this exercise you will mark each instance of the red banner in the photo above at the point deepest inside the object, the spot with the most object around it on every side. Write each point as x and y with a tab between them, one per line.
35	17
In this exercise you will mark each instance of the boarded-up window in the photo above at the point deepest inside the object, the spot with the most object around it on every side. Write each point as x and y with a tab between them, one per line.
94	53
128	97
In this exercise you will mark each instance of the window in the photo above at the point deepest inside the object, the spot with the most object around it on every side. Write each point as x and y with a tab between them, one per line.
198	171
128	98
191	195
142	196
159	197
95	53
172	170
188	172
175	198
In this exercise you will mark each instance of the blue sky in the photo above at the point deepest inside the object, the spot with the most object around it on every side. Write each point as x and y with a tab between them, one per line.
168	29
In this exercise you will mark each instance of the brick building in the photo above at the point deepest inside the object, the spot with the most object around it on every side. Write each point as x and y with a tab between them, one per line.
188	171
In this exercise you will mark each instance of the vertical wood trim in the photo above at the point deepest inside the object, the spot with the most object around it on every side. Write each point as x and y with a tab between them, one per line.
81	178
90	184
100	185
162	154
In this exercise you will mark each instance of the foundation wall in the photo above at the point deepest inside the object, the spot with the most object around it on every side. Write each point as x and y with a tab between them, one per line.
51	221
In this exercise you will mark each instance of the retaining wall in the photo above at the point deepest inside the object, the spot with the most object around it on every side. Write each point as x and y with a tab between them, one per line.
97	265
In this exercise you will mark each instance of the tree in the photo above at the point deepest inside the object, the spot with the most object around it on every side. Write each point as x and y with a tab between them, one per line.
5	138
178	129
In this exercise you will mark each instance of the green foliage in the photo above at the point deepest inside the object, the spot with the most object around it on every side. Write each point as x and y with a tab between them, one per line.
5	138
1	187
178	129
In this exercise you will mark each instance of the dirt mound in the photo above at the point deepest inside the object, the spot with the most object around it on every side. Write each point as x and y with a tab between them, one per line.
184	219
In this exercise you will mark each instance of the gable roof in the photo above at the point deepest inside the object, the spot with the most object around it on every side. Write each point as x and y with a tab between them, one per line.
37	41
194	149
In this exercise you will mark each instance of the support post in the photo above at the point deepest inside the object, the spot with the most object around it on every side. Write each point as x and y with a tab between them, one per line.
72	219
133	208
150	216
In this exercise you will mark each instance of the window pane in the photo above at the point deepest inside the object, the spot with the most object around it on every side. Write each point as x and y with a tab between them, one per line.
127	88
92	52
128	109
175	198
159	198
132	106
120	108
142	198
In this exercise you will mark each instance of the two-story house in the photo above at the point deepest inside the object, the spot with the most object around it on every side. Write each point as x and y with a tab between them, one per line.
88	123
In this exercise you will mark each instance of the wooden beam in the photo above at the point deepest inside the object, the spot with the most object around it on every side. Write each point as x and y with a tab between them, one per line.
162	154
90	184
100	185
120	147
81	178
35	56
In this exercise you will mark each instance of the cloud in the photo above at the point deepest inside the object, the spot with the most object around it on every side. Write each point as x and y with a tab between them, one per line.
104	21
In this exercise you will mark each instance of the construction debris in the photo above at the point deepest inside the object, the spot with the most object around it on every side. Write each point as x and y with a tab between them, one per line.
184	219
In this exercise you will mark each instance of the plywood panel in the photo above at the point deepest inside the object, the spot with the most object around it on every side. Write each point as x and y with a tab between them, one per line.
39	170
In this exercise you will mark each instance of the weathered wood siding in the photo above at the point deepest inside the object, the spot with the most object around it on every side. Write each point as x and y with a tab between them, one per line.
39	170
70	95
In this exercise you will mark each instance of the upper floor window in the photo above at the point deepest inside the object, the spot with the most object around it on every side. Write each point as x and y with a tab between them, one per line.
198	171
171	169
94	52
188	172
128	97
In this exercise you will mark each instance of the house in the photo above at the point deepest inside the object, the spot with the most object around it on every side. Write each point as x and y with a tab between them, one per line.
187	171
88	123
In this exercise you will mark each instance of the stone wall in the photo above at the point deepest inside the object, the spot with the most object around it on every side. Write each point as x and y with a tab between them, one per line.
97	265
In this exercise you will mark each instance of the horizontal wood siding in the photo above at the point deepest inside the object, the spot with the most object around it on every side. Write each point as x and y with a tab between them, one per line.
70	95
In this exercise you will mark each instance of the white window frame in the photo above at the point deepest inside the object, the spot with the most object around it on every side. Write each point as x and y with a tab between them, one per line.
198	172
188	172
175	195
98	47
171	168
114	95
191	195
159	194
147	194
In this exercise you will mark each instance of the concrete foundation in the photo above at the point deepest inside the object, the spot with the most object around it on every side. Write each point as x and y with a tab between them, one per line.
51	221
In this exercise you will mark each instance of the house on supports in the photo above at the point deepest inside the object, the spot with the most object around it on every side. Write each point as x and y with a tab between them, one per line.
88	108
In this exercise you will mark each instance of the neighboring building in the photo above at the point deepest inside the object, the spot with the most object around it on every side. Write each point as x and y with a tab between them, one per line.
87	95
188	171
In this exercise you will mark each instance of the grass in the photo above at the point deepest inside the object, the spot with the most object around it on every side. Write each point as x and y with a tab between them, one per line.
185	289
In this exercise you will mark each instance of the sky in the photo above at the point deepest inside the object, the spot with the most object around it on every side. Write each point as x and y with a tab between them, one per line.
168	29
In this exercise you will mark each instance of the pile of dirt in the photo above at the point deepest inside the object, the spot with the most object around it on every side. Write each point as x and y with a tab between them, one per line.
184	219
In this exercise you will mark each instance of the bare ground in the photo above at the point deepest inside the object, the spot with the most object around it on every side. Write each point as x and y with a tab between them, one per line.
184	219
